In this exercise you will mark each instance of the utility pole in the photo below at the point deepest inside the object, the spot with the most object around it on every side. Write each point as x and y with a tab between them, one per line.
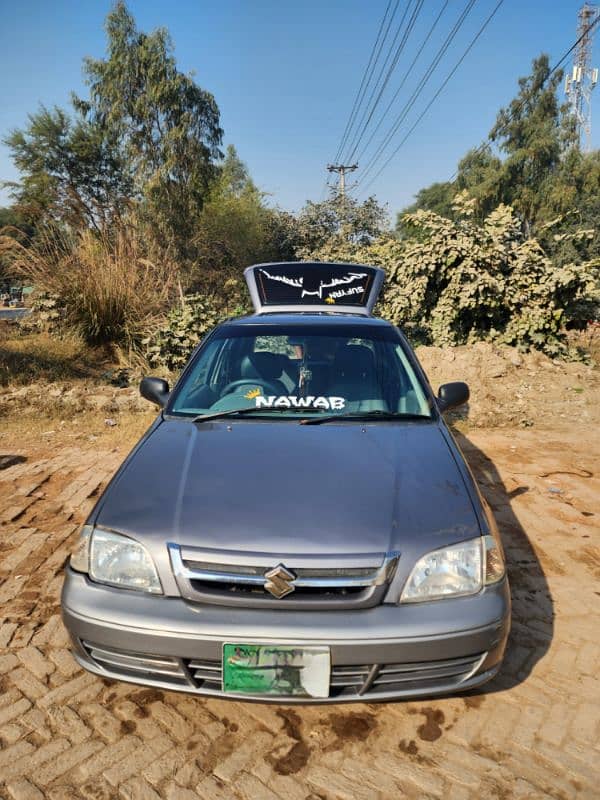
342	169
583	78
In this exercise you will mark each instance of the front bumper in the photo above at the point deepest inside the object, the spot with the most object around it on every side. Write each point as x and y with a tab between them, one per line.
382	653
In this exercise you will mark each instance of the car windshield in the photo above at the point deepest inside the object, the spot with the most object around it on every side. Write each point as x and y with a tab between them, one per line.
301	370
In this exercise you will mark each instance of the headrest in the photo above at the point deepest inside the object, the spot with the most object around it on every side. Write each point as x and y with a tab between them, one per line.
354	359
261	365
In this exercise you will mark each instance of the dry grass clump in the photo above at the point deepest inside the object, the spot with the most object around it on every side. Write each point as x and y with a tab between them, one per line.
41	357
108	290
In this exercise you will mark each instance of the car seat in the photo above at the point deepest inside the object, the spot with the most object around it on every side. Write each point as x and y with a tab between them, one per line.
355	379
289	373
265	366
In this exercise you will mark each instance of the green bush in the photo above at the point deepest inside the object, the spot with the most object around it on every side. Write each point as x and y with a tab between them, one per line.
463	281
46	316
189	322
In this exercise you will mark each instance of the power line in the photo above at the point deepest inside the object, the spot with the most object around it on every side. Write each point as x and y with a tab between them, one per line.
520	105
439	91
381	81
410	25
360	92
365	81
406	74
424	80
374	89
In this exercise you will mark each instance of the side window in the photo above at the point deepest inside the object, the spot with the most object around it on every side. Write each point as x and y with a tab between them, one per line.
412	398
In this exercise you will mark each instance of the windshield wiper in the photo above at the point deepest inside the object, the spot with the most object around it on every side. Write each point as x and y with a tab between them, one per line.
362	415
231	412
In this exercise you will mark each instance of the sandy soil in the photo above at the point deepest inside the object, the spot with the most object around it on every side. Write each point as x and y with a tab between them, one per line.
531	733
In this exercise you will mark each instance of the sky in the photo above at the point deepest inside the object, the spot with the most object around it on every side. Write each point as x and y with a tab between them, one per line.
285	75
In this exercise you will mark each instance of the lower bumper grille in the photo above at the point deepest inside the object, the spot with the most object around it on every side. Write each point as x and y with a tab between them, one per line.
379	678
138	665
206	674
346	681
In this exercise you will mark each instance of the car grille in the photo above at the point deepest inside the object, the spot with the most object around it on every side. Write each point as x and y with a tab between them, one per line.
138	665
372	679
324	582
346	681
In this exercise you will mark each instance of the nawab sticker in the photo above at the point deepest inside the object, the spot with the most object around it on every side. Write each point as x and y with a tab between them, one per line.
292	401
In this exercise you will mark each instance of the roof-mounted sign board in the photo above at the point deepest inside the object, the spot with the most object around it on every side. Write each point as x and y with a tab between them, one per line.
314	286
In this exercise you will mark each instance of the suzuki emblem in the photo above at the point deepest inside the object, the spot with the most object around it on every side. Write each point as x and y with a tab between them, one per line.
279	581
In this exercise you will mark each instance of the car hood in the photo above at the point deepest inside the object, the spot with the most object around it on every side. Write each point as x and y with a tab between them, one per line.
283	488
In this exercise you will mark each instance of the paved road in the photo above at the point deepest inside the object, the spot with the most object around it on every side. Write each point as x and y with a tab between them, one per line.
13	313
532	734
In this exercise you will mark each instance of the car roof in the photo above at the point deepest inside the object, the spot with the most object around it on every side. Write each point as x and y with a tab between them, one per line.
309	319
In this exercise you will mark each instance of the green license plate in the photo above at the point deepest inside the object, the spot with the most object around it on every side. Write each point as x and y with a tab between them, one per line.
281	670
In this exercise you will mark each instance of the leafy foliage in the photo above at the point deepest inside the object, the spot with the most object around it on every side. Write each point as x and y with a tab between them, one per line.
235	227
171	345
338	222
463	281
532	163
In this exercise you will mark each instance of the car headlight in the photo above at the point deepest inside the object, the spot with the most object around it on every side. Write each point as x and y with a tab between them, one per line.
455	571
80	557
116	560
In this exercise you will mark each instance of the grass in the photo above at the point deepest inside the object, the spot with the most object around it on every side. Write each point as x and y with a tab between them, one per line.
109	291
40	357
48	382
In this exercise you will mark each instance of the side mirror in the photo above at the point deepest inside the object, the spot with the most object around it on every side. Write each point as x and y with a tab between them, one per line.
156	390
451	395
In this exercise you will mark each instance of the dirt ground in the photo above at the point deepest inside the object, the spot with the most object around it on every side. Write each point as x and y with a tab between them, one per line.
508	388
531	733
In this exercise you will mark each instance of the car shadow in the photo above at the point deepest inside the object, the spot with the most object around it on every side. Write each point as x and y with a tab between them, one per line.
532	626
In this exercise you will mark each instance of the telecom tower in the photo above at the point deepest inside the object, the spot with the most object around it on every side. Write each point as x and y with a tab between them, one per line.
580	83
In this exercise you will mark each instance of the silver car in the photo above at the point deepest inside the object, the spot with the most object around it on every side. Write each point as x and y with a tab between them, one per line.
298	524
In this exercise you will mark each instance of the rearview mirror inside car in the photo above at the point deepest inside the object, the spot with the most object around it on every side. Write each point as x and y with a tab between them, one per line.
156	390
451	395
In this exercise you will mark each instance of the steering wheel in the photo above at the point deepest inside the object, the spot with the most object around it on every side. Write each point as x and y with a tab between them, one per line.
267	385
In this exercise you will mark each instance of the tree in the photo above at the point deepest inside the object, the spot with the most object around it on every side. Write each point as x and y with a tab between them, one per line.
477	173
72	171
235	228
167	126
437	197
147	136
337	221
527	162
534	133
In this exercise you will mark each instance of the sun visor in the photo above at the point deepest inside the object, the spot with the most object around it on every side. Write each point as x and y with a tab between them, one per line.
303	286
